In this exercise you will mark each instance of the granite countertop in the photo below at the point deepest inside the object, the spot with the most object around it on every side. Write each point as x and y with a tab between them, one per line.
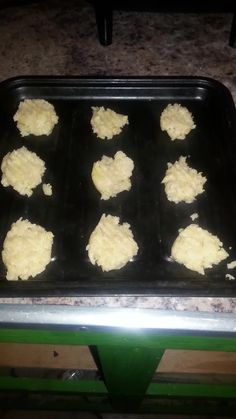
55	38
196	304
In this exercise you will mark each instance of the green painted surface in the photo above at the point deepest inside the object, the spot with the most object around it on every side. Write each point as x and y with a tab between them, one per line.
192	390
118	338
52	385
77	405
128	360
127	373
119	384
58	405
191	408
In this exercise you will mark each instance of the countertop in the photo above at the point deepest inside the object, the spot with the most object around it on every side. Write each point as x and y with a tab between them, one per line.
193	304
57	39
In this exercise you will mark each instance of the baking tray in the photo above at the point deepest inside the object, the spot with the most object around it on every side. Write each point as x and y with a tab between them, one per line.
75	207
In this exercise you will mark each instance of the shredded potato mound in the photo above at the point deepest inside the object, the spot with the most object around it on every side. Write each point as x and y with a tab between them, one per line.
111	245
112	176
35	116
177	121
182	183
26	250
23	170
107	123
197	249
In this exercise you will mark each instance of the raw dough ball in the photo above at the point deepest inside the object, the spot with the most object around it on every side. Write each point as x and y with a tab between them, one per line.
23	170
107	123
111	245
111	176
26	250
35	116
177	121
182	183
47	189
197	249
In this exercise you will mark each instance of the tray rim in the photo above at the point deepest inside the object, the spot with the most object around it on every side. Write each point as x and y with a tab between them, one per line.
83	79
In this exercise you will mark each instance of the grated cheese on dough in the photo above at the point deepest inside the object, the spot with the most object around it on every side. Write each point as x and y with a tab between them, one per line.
182	183
107	123
26	250
111	245
35	116
112	176
197	249
177	121
23	170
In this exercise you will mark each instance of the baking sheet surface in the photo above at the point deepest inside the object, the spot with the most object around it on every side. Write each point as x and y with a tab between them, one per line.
75	207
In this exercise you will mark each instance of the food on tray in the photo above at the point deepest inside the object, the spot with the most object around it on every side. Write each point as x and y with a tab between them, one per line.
111	245
23	170
197	249
107	123
177	121
112	175
182	183
230	277
26	250
47	189
35	116
194	216
231	265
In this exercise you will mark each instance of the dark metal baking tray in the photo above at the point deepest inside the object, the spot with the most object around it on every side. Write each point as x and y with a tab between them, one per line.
75	207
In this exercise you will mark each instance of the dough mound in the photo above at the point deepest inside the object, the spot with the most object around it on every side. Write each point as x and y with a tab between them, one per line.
23	170
26	250
177	121
35	116
197	249
112	176
182	183
107	123
111	245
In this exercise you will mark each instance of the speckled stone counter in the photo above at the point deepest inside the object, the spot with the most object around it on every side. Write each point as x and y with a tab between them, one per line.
204	304
60	38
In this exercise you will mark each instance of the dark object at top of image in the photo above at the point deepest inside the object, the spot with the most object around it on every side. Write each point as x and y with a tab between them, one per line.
104	12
